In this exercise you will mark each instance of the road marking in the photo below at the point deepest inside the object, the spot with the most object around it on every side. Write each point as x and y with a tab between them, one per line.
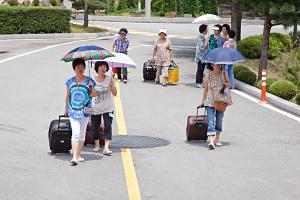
251	98
129	170
48	47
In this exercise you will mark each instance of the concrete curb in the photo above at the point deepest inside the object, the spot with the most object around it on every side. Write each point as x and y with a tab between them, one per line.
272	99
55	36
182	20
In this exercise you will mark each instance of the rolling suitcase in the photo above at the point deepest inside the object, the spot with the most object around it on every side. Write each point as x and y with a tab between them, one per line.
196	127
89	135
149	71
59	135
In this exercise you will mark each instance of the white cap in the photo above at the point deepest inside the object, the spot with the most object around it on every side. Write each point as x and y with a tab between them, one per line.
163	31
215	28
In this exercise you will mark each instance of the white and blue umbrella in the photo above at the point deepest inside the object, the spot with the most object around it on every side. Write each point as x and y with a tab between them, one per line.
223	55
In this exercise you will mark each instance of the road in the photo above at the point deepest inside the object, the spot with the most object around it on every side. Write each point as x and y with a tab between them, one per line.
259	160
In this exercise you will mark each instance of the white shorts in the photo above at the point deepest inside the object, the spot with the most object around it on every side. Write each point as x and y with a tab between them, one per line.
79	128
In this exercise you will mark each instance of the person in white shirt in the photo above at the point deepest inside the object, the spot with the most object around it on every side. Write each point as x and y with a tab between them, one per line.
230	43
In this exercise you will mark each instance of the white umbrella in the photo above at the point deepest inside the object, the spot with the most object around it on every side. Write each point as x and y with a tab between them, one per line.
120	60
206	19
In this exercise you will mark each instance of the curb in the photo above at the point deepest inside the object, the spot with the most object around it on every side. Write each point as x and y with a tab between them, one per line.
178	20
55	36
271	99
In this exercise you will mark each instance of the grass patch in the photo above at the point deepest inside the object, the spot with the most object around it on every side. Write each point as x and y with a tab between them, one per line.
79	29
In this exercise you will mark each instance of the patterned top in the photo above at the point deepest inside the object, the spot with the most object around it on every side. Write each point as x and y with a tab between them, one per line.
201	49
79	97
215	84
215	42
103	102
121	46
231	43
162	56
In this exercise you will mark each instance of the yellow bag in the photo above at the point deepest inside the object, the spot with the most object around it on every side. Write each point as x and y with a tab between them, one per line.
173	76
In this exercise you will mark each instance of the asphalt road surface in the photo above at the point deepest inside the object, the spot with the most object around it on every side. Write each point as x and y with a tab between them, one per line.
259	160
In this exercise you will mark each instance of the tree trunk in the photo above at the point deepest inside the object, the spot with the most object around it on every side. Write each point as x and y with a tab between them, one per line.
147	8
86	15
265	46
295	31
236	19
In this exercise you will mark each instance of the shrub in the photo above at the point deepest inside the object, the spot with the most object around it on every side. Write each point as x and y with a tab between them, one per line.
284	39
36	2
246	76
13	2
53	2
283	89
297	99
24	20
250	47
239	68
269	83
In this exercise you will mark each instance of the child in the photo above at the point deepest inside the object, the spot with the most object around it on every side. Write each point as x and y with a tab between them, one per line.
121	45
231	43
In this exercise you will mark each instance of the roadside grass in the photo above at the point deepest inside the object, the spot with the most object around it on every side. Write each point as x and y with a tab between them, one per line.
79	29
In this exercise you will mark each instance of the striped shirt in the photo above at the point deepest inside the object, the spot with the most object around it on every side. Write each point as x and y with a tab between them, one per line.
121	46
231	43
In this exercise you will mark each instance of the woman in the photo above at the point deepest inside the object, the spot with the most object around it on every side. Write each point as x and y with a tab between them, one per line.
80	89
216	40
201	50
162	55
121	45
225	31
103	106
215	82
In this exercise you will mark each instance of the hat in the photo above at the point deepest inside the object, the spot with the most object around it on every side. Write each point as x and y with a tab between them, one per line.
162	31
216	28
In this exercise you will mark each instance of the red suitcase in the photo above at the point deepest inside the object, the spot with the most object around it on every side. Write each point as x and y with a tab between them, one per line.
197	127
89	135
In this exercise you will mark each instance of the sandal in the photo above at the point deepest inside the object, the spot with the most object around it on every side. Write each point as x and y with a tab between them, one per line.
74	162
211	146
107	152
96	149
164	84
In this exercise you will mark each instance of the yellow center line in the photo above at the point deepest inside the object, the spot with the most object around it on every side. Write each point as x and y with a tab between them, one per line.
129	170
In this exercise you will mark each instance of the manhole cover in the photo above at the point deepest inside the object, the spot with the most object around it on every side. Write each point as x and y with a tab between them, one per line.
135	141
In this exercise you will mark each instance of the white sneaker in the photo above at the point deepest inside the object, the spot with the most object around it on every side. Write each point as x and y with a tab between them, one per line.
80	159
198	85
107	152
74	162
219	144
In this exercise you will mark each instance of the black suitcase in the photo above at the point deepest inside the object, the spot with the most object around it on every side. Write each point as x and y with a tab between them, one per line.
59	135
196	128
149	71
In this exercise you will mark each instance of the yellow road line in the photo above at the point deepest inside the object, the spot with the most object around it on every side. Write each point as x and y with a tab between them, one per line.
129	170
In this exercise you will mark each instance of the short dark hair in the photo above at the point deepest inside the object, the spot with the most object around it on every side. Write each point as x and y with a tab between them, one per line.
78	61
123	30
226	26
202	28
219	26
99	63
231	34
209	66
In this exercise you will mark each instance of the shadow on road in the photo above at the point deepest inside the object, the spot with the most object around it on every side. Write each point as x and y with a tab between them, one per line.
204	144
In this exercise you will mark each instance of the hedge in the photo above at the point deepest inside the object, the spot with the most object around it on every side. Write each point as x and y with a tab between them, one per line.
24	20
269	83
246	76
250	47
297	99
238	68
284	89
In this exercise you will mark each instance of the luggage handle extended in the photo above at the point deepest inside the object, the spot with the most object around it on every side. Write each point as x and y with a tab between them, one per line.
59	118
197	116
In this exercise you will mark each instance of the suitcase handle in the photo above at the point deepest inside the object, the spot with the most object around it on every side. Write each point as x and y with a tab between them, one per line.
198	107
59	117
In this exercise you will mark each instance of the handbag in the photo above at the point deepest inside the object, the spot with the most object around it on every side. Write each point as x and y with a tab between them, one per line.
218	105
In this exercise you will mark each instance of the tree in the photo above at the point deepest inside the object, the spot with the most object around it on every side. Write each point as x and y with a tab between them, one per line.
236	18
275	12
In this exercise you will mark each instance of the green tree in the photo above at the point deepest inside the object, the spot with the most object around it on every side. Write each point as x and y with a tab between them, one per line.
13	2
273	10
